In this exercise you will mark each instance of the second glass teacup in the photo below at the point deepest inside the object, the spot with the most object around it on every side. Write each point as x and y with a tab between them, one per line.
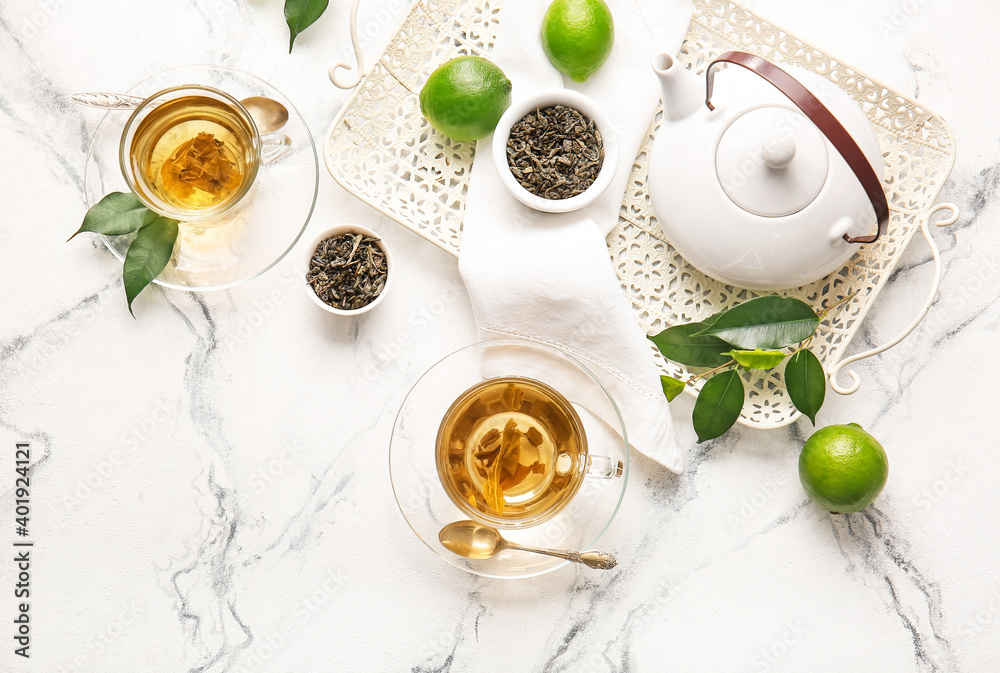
512	452
192	153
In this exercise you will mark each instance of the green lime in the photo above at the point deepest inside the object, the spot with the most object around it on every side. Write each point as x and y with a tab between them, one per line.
465	97
577	36
843	468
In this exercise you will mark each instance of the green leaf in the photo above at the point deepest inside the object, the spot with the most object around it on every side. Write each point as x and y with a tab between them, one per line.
764	322
117	213
710	320
806	382
719	405
671	387
757	359
147	255
677	344
300	14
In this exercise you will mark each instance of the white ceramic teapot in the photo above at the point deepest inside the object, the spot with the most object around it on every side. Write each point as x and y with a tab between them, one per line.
771	183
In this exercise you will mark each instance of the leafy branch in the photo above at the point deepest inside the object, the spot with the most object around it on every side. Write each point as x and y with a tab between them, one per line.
749	336
694	379
121	213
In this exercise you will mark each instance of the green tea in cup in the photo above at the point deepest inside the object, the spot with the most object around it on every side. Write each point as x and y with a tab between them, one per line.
512	451
192	152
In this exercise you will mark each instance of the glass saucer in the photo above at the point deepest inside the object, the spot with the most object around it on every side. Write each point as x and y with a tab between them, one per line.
413	471
268	224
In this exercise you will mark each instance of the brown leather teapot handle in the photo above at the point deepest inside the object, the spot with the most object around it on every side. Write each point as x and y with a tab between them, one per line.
823	119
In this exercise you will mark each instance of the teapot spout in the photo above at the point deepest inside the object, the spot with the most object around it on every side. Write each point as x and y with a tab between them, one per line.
681	90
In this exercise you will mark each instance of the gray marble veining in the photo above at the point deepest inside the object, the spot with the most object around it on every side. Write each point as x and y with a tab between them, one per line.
210	489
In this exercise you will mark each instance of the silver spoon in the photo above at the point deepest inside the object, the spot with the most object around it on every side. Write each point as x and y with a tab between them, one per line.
477	541
267	113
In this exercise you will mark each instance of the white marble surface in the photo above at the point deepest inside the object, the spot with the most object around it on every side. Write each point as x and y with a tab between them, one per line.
212	493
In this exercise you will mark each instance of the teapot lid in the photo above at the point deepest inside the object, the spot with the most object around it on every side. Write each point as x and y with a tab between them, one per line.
772	161
825	122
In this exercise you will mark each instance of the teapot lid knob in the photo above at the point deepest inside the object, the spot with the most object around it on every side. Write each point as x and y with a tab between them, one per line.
772	161
778	152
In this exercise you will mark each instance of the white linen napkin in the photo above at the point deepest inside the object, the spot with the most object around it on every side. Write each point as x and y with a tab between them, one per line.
548	277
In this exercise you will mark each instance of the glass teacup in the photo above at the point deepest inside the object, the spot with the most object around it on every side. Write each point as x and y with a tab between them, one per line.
512	452
192	153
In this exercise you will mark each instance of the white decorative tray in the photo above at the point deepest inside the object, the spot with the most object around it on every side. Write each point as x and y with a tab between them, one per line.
382	150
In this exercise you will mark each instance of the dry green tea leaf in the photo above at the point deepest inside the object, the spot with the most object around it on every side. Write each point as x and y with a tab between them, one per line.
504	467
490	437
510	448
512	398
555	152
493	494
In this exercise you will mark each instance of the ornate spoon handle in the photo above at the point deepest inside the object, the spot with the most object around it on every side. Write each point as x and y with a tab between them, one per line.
592	559
107	101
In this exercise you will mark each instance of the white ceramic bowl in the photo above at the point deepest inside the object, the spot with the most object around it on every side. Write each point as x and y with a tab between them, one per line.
543	99
337	231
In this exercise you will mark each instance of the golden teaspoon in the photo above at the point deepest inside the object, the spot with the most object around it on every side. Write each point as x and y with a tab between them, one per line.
477	541
268	114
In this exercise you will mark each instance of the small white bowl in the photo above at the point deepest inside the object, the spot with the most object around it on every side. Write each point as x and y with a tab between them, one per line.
337	231
543	99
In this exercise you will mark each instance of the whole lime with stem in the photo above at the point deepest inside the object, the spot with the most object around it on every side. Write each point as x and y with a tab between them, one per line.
577	36
465	97
843	468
